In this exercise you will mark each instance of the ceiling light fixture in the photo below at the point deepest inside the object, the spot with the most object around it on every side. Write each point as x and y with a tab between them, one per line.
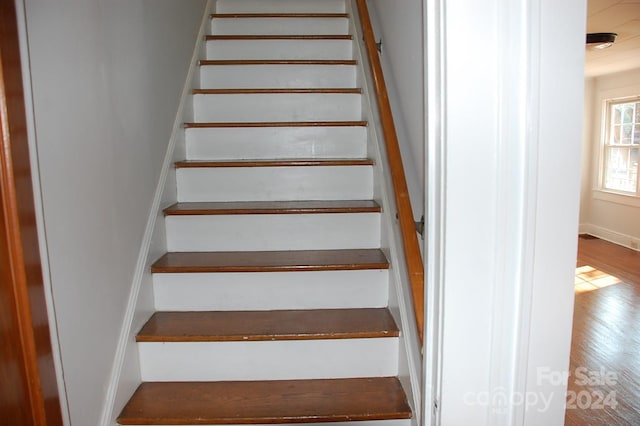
600	40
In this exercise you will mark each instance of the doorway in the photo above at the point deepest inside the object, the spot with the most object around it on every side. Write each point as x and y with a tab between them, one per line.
604	371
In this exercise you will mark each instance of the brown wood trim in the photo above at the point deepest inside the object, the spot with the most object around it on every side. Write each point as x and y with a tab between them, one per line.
280	37
337	90
28	388
272	207
277	124
271	261
279	15
211	62
247	326
274	163
267	402
412	253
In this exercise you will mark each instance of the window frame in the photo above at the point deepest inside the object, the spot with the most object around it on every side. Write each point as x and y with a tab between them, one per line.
626	197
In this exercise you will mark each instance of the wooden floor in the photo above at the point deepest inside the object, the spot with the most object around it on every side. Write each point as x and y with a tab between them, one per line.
266	402
604	385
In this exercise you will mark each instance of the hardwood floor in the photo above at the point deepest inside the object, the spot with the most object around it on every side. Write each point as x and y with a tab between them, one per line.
266	402
604	382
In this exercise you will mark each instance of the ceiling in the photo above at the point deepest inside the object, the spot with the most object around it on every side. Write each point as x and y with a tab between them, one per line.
614	16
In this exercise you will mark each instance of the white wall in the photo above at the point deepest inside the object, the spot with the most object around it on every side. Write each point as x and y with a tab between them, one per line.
399	25
609	216
107	77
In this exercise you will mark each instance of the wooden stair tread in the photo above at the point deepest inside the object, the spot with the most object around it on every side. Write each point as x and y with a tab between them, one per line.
272	207
240	124
205	62
279	15
274	163
271	261
276	91
281	37
244	326
266	402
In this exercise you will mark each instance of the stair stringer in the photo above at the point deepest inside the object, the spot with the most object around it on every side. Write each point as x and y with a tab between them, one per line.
125	373
400	296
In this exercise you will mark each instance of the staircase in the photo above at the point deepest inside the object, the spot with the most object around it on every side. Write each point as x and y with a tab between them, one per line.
272	298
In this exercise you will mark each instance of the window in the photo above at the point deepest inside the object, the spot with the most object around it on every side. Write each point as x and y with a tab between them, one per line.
621	146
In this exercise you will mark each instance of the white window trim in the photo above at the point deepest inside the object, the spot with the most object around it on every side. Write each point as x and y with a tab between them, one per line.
616	197
599	191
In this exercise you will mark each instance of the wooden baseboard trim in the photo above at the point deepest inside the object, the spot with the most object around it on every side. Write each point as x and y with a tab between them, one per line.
355	91
212	62
279	15
277	124
279	37
272	207
275	163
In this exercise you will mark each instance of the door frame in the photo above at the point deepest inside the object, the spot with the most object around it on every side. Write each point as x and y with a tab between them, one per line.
30	395
499	308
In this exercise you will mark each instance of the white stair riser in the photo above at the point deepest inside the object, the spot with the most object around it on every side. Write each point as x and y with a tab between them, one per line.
276	142
277	76
279	49
275	183
268	360
273	232
280	6
253	291
280	26
277	107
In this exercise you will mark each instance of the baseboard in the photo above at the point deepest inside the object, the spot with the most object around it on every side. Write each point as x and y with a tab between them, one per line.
584	228
56	353
615	237
125	361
